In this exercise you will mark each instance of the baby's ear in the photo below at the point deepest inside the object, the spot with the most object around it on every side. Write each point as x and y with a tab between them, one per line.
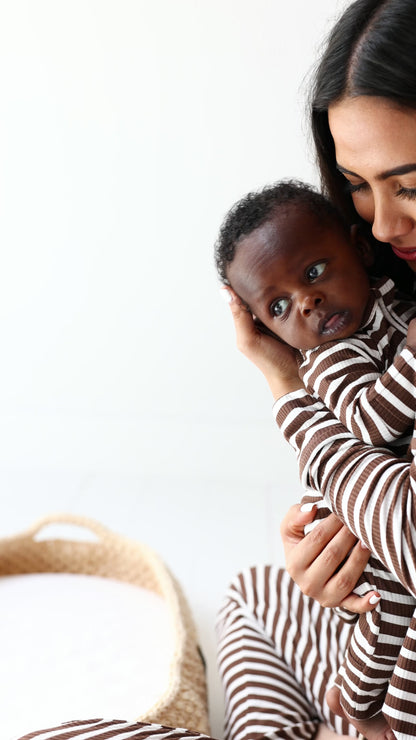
362	245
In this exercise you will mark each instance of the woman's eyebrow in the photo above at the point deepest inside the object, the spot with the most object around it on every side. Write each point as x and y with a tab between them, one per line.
403	169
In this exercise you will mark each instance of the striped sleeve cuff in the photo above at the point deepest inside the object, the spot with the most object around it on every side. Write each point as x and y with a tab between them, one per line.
279	405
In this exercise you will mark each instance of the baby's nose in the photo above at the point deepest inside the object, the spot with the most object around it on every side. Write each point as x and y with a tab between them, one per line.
310	302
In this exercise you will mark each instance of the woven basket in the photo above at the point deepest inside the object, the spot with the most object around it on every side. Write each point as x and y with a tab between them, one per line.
184	702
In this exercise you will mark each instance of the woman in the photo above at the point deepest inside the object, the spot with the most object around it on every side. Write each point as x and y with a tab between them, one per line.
364	125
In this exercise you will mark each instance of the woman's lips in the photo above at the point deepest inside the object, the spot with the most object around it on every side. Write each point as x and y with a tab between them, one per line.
405	254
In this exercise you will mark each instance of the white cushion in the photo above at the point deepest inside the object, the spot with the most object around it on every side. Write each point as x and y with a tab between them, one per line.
77	646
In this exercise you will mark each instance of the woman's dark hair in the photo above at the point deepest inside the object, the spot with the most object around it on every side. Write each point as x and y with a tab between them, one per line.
258	207
370	51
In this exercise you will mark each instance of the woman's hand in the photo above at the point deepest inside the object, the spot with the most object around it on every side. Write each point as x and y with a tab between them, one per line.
316	561
276	360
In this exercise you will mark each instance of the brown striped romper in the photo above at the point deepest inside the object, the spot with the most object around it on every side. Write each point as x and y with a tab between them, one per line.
367	381
373	492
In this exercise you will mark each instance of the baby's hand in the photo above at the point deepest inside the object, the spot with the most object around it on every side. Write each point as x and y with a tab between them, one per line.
411	335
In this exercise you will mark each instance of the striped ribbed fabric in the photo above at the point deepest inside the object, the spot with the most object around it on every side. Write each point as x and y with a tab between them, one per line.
374	494
367	381
278	652
101	729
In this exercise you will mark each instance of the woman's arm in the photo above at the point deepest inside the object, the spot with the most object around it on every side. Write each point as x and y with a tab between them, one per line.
371	491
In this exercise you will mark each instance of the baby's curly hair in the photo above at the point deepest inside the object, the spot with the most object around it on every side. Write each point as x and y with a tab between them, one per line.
258	207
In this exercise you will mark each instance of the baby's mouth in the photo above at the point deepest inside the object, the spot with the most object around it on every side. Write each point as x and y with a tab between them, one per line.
334	323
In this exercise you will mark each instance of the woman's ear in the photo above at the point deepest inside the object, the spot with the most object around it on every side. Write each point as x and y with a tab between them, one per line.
362	245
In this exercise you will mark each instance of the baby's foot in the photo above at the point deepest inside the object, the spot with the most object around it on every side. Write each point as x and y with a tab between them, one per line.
375	728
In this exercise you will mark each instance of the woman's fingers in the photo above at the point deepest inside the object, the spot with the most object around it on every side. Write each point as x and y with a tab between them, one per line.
327	563
321	543
351	571
337	591
293	524
247	334
361	604
274	359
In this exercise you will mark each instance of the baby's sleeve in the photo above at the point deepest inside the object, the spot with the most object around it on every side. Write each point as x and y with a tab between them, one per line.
376	407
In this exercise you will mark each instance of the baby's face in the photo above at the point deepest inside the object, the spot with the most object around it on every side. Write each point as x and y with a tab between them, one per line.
304	280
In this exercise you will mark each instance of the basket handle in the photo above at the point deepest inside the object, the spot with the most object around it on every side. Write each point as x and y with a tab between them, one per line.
72	519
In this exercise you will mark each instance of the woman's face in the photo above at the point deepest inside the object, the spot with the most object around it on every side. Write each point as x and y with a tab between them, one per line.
375	143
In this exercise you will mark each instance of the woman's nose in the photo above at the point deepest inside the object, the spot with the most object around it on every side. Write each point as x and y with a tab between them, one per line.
309	302
391	222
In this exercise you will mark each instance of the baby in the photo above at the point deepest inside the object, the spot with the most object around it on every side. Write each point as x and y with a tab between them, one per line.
304	275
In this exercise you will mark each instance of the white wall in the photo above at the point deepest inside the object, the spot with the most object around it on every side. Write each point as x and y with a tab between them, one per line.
127	129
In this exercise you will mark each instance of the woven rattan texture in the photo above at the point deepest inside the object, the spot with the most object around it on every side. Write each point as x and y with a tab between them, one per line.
184	702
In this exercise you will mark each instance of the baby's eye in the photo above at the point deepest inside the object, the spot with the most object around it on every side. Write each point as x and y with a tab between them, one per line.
279	307
312	273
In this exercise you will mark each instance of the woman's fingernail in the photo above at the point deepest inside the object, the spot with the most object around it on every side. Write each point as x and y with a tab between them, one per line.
374	599
363	546
226	295
307	507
